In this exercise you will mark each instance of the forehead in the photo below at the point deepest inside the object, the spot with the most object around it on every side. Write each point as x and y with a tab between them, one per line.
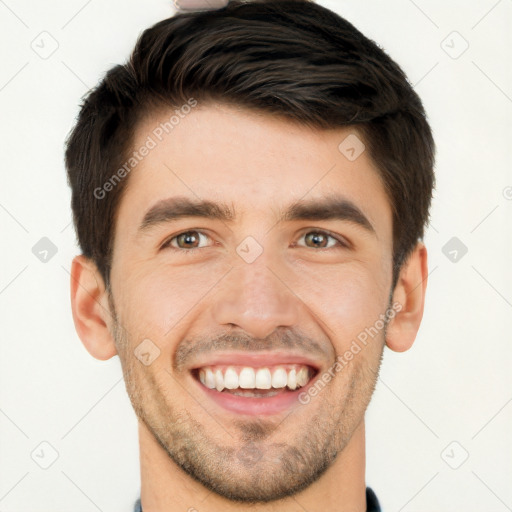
257	163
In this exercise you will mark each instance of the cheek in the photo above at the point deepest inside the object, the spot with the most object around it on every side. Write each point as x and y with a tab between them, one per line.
157	300
347	300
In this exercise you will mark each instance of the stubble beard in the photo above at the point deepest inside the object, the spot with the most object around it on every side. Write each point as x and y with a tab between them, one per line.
254	464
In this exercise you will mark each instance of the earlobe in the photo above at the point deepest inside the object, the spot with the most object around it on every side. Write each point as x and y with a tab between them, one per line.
89	304
410	294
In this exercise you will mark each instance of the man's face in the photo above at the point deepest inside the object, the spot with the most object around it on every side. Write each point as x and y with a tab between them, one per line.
253	291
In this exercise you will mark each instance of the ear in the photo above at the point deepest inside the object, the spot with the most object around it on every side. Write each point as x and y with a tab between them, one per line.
91	310
409	292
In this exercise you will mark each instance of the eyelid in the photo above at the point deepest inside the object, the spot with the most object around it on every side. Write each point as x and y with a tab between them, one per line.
343	243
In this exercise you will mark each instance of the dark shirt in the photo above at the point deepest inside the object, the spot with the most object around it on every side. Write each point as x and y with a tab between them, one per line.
371	501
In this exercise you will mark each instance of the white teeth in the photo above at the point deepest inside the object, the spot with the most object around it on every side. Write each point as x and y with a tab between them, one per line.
263	379
231	378
302	377
219	380
292	379
279	378
247	378
209	379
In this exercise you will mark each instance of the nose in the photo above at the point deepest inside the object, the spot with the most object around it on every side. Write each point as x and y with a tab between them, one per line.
256	298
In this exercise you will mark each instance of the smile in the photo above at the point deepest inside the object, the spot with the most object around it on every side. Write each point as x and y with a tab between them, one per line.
255	388
233	378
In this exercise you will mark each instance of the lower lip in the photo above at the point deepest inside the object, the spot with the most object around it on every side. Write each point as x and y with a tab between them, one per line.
252	406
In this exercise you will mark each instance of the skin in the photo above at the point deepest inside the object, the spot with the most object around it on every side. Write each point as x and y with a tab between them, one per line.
194	454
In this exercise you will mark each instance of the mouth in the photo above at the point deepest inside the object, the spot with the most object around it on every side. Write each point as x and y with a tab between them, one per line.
257	389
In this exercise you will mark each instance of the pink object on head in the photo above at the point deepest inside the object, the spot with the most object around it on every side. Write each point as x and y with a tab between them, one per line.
199	5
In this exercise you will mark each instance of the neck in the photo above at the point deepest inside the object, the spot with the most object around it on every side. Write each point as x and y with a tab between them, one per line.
167	488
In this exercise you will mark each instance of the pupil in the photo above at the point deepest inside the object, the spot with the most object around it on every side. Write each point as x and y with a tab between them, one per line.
188	237
315	238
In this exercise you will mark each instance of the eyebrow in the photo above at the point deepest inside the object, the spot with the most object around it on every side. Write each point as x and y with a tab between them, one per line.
329	208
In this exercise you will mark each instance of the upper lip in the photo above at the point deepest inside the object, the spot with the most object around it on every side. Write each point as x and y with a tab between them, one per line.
255	359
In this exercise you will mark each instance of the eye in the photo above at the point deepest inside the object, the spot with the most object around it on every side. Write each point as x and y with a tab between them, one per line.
185	241
320	238
189	240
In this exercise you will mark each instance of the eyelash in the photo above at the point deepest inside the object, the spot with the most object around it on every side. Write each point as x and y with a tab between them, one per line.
167	244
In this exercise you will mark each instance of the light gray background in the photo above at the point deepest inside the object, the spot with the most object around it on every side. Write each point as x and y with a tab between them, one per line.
447	398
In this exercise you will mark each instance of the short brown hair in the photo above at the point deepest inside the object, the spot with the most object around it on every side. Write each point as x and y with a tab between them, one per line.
288	58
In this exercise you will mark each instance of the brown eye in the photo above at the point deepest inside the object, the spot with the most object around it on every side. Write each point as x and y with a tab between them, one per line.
320	240
186	240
